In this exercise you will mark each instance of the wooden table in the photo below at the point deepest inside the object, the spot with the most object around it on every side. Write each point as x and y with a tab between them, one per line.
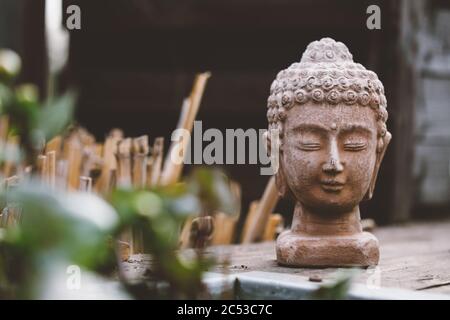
414	256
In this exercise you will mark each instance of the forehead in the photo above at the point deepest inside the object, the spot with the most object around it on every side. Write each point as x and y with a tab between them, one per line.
341	115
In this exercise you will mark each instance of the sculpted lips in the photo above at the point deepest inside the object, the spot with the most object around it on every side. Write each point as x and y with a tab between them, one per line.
332	185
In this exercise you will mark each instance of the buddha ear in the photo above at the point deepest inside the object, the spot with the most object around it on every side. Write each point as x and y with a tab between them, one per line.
381	150
280	181
280	178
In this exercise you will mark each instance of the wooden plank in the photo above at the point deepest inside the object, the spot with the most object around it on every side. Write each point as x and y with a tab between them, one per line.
412	257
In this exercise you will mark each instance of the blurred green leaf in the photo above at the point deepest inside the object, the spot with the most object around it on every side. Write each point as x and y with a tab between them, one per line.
338	289
79	228
213	189
75	226
55	115
10	153
5	97
27	94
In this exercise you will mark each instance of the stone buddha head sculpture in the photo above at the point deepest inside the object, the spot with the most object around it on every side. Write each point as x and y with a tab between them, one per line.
330	116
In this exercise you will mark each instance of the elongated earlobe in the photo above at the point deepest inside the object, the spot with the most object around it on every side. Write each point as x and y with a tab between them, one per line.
280	178
381	150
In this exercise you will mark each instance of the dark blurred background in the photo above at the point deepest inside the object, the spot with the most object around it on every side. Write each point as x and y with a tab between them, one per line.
134	61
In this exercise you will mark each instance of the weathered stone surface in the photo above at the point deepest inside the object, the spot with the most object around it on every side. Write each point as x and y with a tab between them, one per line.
360	249
330	116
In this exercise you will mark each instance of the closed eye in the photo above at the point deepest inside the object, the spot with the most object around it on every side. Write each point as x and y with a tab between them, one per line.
355	146
310	146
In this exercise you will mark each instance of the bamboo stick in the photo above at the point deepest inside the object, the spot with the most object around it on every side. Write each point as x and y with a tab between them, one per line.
11	214
4	127
112	181
139	170
273	227
224	228
41	166
72	151
149	169
368	224
85	184
185	235
90	158
109	164
123	156
236	190
172	171
98	150
116	134
140	153
12	143
157	156
225	225
61	174
54	145
265	208
253	207
51	169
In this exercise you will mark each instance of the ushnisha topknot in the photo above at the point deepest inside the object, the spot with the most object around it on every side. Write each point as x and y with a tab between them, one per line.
326	74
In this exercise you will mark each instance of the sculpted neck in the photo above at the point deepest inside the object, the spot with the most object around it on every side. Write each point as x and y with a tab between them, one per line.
307	222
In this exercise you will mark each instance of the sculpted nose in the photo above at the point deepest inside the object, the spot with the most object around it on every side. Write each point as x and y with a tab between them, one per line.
333	165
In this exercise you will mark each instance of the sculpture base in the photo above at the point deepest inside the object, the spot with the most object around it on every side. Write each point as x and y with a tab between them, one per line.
301	250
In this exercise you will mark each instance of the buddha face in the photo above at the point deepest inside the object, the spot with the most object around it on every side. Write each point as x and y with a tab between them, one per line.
329	154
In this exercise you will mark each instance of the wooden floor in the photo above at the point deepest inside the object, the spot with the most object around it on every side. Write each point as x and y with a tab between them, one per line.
414	256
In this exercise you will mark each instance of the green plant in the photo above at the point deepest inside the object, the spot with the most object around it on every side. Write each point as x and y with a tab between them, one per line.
33	121
337	289
78	228
58	229
160	214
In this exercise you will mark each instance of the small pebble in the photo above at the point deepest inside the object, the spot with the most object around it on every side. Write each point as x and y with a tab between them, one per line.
315	278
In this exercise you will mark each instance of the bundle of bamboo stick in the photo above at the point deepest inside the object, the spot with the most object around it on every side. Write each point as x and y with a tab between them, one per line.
76	161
